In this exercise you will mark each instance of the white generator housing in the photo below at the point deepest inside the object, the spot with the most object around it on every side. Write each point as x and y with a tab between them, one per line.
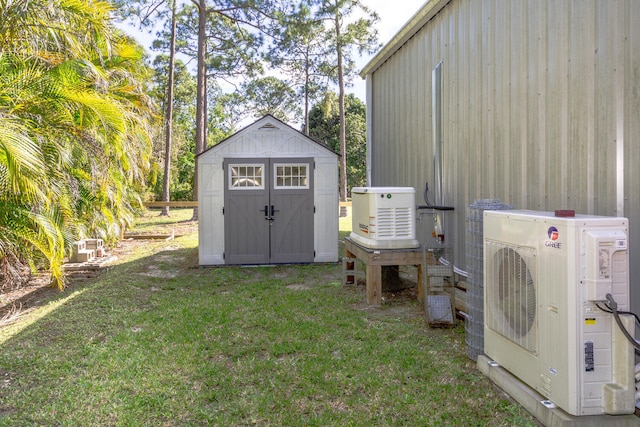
384	217
546	280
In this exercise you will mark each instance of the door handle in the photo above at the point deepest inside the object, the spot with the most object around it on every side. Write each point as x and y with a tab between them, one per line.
266	212
273	211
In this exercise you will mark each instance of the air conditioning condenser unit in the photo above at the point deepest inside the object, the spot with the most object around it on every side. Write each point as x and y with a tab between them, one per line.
547	280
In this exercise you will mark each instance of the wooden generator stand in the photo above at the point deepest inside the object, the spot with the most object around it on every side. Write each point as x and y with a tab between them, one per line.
374	259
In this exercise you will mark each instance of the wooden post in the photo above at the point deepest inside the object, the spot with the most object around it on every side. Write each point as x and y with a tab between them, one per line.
374	284
421	284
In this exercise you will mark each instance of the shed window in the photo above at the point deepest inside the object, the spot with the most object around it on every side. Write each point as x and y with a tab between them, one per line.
246	177
291	175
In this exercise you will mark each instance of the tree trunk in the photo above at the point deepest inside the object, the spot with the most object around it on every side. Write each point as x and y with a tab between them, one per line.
201	96
343	134
166	197
307	77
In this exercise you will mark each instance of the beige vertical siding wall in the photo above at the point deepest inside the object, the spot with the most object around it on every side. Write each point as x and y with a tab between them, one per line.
541	107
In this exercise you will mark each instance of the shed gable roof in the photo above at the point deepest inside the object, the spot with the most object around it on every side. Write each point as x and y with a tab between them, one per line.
268	123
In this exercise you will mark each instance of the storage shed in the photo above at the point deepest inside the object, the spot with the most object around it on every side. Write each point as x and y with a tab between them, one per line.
535	103
268	194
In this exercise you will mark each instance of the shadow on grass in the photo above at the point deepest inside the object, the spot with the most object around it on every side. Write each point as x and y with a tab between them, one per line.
108	326
156	340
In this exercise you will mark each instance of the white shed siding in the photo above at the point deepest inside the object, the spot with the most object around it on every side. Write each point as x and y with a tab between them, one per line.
541	107
326	226
258	142
210	203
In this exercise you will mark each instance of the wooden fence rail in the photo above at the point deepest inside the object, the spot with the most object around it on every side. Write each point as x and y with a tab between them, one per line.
193	204
181	204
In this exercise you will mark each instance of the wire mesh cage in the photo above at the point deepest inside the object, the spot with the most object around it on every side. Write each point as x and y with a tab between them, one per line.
438	292
474	323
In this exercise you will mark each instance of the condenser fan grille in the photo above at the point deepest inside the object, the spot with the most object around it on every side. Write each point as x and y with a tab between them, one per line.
511	293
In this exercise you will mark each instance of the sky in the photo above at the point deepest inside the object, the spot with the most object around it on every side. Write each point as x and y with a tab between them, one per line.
392	19
393	15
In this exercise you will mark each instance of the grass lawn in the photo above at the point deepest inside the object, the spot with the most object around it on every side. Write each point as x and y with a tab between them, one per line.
157	341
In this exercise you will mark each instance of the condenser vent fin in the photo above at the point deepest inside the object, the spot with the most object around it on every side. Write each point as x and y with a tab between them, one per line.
511	291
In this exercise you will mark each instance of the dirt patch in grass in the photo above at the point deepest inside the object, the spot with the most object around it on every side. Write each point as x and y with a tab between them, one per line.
154	271
17	302
35	291
299	287
14	304
402	303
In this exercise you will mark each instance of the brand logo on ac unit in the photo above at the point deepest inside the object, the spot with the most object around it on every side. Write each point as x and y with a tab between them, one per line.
553	234
363	227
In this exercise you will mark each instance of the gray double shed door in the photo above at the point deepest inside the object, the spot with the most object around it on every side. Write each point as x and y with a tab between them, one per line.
268	210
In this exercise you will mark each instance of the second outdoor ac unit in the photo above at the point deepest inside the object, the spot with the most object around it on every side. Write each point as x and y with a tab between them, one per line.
546	280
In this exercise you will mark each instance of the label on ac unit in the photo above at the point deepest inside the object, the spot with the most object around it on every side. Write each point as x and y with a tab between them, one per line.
604	263
621	244
589	365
